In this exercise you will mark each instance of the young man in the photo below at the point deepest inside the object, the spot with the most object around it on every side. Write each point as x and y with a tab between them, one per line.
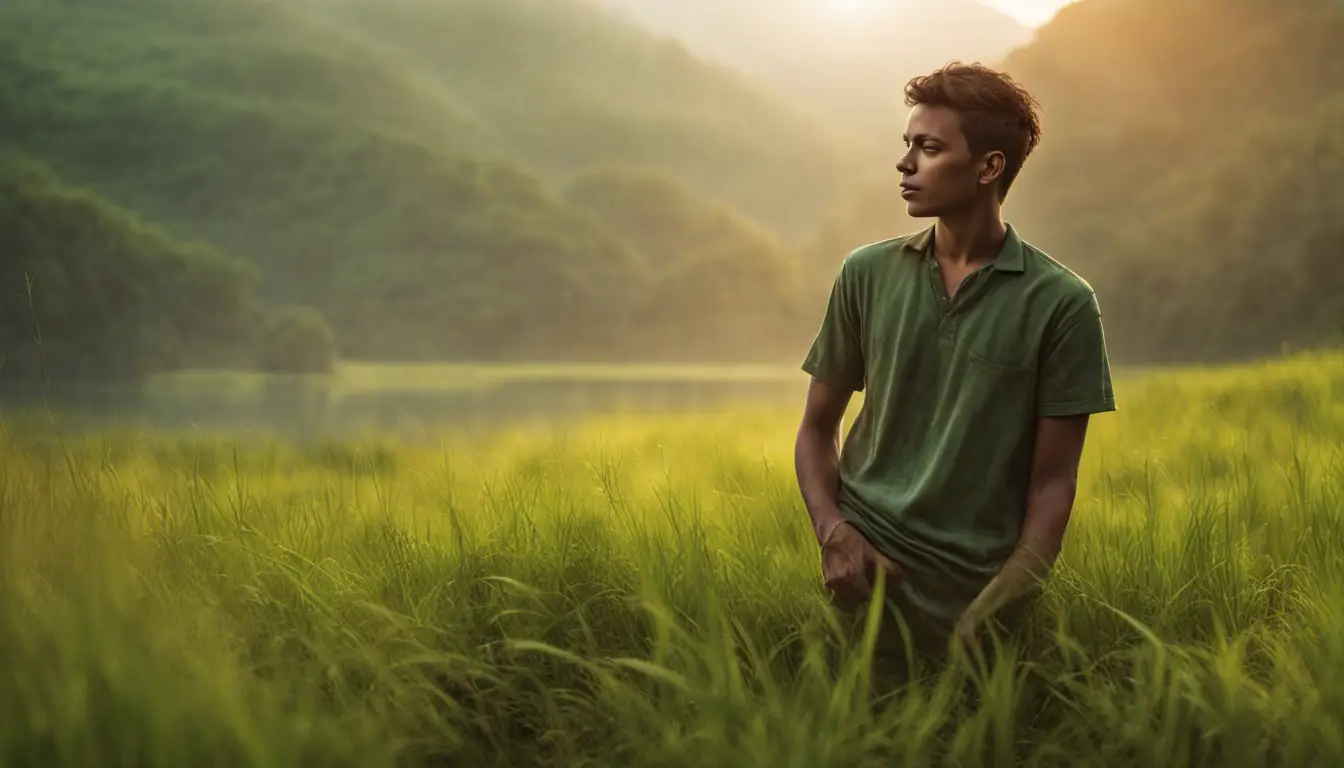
980	359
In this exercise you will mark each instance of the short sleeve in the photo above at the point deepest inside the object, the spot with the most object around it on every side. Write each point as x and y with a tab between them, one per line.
1075	370
836	356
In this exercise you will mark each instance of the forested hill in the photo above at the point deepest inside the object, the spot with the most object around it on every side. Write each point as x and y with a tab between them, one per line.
1192	169
567	86
91	291
403	166
1196	168
556	85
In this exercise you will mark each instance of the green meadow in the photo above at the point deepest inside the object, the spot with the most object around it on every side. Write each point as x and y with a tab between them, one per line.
644	590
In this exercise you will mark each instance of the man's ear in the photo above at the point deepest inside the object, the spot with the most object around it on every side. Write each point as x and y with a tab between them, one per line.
991	167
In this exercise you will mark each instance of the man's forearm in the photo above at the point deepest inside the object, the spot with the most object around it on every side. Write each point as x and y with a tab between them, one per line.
1038	546
817	463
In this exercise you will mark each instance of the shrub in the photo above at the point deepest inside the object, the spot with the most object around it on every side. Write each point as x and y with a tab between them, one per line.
297	340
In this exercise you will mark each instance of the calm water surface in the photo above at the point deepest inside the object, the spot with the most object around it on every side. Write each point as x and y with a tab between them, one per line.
298	408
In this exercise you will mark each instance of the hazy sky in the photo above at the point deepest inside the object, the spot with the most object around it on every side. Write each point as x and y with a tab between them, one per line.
1030	12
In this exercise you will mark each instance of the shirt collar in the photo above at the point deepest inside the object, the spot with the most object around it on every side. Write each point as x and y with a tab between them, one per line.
1011	256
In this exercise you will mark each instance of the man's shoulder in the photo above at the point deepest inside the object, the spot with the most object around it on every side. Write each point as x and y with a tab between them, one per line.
1063	283
879	253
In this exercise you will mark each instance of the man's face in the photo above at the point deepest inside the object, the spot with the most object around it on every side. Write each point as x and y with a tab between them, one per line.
939	175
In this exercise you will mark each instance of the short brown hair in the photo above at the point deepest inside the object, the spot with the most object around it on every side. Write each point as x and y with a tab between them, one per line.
997	112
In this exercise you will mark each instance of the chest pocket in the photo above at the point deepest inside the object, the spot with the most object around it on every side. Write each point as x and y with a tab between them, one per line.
996	395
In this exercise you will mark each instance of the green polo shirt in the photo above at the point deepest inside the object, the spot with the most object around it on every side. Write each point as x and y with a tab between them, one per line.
936	467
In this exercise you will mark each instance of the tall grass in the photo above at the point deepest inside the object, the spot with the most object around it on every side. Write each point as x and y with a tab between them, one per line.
646	591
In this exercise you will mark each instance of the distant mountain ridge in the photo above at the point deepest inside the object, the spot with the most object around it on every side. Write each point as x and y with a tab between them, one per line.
567	86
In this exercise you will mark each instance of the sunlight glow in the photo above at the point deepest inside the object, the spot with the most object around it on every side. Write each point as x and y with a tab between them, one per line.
853	8
1032	13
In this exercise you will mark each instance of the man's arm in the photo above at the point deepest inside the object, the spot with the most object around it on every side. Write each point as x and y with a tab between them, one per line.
1053	485
836	365
816	455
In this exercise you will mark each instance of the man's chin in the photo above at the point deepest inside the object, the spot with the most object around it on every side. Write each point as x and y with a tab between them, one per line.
916	211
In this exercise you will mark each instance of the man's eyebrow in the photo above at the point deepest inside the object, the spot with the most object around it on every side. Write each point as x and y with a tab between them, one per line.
919	137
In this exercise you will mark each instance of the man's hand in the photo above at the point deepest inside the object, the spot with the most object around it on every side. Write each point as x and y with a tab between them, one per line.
967	630
850	565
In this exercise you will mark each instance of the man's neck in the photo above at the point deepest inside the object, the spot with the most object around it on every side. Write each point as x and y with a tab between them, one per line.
970	239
